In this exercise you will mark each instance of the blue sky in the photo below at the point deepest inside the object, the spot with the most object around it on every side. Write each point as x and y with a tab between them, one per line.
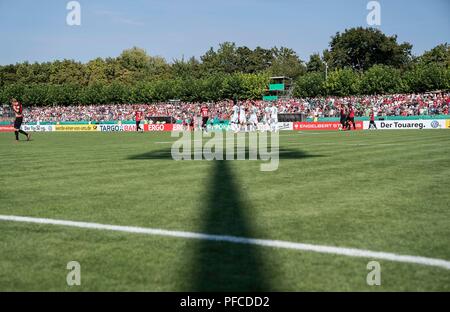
37	31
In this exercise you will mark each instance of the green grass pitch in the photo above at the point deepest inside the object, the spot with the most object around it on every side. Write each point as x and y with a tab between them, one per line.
382	191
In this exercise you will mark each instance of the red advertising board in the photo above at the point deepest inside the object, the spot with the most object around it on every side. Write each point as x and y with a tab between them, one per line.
323	126
6	128
162	127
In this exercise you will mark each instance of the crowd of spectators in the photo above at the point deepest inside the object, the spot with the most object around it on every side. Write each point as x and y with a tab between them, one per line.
382	105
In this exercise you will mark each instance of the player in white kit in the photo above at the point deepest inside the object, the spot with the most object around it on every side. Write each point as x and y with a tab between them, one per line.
266	119
242	118
253	120
274	118
235	118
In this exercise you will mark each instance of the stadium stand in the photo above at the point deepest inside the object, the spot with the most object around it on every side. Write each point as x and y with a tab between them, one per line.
399	105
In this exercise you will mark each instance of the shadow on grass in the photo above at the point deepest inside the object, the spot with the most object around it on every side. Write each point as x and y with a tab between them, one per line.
165	154
222	266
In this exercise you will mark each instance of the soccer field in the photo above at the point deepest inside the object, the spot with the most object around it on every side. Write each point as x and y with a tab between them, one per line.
385	191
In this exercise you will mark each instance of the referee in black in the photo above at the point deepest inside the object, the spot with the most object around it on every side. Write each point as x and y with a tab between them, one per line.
18	111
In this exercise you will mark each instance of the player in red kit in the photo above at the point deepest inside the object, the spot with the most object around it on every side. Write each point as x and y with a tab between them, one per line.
204	111
138	116
343	117
18	111
351	118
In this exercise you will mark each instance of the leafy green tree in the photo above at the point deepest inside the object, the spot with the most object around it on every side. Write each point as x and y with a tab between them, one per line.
67	71
253	61
381	79
142	92
13	90
230	59
439	55
7	75
213	87
36	94
427	77
244	60
165	90
260	60
310	85
361	48
117	93
286	63
24	73
232	87
136	64
94	94
134	59
253	86
96	71
158	68
343	82
183	69
210	62
315	64
225	60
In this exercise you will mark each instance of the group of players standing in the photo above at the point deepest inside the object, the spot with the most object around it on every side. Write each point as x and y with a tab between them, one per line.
244	118
347	119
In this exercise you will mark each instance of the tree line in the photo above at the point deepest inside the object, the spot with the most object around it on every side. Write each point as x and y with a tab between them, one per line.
357	61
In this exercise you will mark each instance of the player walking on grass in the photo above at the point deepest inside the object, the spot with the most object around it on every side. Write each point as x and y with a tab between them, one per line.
138	116
204	111
18	111
372	120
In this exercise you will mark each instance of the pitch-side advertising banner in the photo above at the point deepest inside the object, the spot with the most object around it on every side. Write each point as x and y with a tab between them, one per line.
38	128
282	126
286	126
6	128
76	127
408	124
162	127
219	127
323	126
117	128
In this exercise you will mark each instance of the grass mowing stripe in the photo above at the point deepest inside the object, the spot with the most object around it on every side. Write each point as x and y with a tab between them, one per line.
350	252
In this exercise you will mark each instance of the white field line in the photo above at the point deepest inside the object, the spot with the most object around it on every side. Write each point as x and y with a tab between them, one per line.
350	252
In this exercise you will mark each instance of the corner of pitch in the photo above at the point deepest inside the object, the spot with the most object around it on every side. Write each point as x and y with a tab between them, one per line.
226	145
